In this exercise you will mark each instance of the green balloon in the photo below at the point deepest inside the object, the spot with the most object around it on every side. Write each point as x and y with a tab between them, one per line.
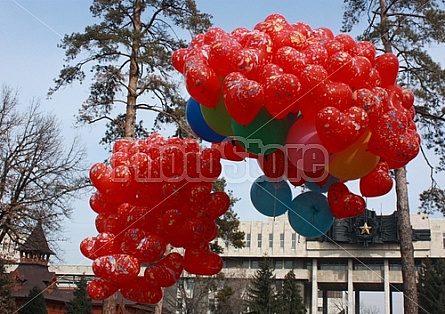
218	119
263	135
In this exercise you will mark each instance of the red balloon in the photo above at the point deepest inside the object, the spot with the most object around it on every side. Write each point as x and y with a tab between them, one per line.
99	203
340	95
100	289
116	268
131	239
140	291
100	176
87	248
378	182
120	158
366	49
231	150
174	262
290	38
315	100
243	98
105	244
150	249
219	203
205	263
394	138
290	59
121	145
248	62
281	94
179	57
295	176
343	203
214	34
370	102
339	66
316	54
388	66
159	275
349	43
303	28
338	130
360	74
333	46
274	165
222	55
202	82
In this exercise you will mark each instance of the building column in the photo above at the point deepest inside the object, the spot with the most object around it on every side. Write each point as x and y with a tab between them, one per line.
357	302
314	304
386	287
325	302
350	287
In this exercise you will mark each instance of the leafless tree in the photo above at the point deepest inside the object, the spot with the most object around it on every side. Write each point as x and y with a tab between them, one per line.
40	174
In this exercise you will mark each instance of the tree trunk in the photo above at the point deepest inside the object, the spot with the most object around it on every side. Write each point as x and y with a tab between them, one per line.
109	305
158	307
404	222
130	119
406	244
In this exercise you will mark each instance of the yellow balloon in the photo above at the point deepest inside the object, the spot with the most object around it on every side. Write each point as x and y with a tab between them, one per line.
355	161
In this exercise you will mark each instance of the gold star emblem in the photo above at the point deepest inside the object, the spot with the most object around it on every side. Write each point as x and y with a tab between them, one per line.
365	229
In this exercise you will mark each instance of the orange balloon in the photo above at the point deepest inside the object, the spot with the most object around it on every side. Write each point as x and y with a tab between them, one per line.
355	161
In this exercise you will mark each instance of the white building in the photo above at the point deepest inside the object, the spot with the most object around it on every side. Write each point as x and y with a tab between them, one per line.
355	255
360	254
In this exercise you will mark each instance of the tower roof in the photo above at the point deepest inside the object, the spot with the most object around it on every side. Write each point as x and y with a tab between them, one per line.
37	242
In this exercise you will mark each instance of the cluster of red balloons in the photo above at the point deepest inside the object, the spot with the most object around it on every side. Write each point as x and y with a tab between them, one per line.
154	195
313	107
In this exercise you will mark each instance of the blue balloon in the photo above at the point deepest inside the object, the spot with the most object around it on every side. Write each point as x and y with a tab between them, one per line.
321	189
310	215
270	198
199	125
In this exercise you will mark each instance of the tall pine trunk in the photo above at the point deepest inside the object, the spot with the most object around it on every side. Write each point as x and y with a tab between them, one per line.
404	223
109	305
406	244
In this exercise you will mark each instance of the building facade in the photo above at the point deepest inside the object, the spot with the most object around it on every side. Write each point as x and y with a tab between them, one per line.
355	255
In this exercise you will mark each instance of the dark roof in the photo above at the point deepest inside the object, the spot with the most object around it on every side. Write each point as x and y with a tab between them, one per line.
32	275
37	242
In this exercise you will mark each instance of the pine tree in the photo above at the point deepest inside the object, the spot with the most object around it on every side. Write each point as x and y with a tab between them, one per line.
431	287
262	292
129	53
290	300
7	303
408	28
81	303
34	303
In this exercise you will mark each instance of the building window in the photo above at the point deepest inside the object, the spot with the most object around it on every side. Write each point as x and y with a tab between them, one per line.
333	265
248	238
279	264
270	240
254	264
189	283
259	239
246	264
294	241
288	264
282	240
443	238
